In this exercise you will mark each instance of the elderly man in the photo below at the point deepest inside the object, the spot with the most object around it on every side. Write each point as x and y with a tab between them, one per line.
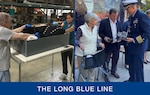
138	33
5	36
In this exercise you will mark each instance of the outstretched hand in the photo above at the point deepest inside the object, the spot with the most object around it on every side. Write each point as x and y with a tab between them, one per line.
28	25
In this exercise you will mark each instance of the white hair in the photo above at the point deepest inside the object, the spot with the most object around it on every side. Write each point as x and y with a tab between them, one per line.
90	16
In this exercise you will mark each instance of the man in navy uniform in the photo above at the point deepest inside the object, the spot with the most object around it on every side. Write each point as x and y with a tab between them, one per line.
138	33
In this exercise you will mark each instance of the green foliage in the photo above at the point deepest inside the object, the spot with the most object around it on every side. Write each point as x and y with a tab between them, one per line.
147	6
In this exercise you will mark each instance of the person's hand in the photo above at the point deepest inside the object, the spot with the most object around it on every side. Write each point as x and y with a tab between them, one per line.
129	40
102	45
55	23
59	23
37	34
107	39
32	37
119	40
82	47
28	25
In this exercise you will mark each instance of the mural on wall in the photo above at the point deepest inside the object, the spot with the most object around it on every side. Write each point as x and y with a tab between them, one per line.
105	5
102	5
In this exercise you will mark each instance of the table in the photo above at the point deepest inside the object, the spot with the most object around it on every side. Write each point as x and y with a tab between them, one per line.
21	59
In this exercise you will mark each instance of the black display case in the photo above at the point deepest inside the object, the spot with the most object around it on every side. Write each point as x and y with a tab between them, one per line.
54	37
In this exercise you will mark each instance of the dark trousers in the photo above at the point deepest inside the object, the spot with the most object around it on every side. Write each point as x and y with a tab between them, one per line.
136	67
126	55
64	56
115	56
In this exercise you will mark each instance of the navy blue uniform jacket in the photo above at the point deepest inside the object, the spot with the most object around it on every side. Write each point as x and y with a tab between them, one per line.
139	31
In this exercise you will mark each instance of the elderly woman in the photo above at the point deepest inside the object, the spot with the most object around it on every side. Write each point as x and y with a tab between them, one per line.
87	37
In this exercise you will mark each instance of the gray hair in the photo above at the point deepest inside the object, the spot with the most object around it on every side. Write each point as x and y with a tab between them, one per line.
90	16
148	11
4	17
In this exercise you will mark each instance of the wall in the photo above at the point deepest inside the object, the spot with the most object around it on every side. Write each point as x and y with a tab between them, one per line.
102	5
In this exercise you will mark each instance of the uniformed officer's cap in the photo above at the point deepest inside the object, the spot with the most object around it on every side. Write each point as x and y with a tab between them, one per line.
128	3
